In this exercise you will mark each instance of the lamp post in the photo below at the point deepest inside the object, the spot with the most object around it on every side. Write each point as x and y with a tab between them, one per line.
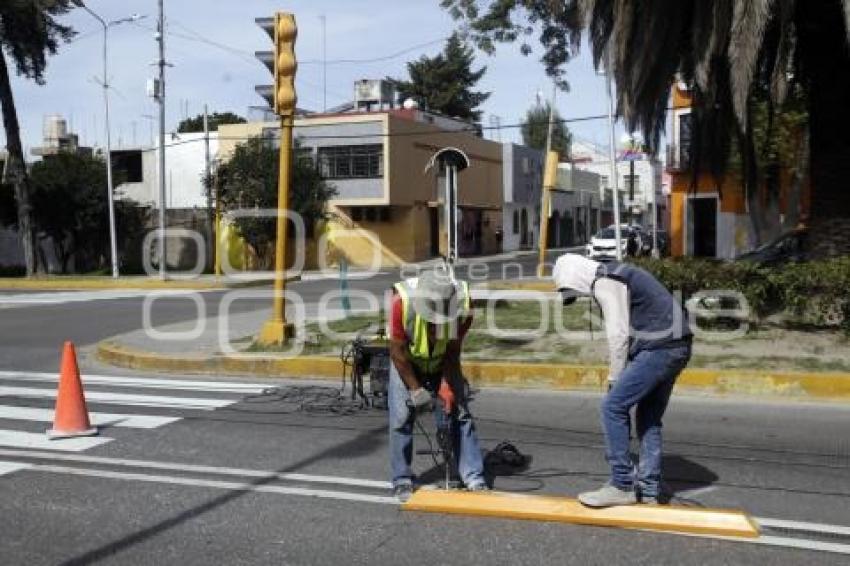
612	155
113	244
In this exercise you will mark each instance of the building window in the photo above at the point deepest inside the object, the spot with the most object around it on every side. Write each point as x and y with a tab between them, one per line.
370	213
627	179
603	181
516	222
685	140
351	161
303	155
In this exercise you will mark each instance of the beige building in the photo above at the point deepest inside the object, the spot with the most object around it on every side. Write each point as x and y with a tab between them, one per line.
388	207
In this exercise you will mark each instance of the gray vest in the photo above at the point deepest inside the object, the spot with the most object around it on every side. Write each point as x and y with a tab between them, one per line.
656	318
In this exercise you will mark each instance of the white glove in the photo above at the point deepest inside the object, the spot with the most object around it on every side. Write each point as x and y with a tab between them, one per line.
421	400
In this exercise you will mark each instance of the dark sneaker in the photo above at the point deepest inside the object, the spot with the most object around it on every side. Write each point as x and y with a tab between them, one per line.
607	496
403	492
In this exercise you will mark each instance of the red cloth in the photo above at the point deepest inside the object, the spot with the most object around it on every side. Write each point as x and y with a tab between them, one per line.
397	330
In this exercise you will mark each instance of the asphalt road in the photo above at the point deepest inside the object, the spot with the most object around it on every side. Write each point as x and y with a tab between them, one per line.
200	470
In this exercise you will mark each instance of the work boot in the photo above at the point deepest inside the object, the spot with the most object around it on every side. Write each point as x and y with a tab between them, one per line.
608	496
403	492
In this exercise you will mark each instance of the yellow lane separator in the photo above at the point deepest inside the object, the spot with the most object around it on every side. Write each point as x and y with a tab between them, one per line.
669	518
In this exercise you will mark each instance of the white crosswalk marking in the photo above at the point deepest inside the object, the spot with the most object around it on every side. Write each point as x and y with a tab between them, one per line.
142	382
129	399
9	467
18	439
11	412
20	388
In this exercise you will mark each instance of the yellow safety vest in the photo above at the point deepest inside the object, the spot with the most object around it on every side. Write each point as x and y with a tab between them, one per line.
416	327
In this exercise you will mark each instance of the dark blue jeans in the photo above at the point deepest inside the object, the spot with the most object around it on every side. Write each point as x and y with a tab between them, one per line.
647	381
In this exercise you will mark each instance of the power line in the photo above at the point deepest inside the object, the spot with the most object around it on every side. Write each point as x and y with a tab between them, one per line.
373	59
381	135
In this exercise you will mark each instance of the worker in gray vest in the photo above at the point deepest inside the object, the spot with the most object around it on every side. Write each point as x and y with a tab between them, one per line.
649	342
429	317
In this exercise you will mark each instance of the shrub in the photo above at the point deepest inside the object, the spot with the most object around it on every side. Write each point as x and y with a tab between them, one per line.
812	292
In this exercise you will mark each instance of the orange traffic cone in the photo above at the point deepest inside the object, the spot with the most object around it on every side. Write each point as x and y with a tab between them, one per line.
72	416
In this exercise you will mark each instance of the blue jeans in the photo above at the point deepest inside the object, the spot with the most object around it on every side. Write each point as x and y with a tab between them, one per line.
647	381
462	426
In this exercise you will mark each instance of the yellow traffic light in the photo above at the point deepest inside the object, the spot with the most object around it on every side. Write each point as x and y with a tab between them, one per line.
285	65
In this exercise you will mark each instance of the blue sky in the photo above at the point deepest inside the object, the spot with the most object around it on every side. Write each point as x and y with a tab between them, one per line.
224	78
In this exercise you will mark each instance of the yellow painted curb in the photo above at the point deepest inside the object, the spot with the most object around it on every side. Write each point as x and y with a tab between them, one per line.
667	518
787	385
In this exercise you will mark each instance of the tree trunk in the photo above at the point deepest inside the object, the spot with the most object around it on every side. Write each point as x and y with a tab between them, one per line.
825	52
17	169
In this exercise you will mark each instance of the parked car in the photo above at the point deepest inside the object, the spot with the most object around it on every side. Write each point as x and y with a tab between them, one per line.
788	247
602	246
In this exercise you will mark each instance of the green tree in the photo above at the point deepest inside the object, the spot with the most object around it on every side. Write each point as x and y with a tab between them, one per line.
215	120
249	180
445	83
535	130
69	208
734	54
28	32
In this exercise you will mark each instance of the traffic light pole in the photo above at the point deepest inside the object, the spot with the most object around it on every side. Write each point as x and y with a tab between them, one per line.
276	330
550	176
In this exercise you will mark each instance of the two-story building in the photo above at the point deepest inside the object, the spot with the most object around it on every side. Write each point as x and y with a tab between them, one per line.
388	206
709	218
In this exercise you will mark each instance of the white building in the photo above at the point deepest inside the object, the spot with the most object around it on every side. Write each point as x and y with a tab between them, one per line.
522	180
185	161
647	182
576	208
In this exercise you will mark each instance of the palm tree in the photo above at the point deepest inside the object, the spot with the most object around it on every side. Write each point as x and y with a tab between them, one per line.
735	54
28	31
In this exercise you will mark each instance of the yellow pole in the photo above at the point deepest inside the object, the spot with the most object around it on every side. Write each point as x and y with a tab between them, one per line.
550	179
217	229
276	330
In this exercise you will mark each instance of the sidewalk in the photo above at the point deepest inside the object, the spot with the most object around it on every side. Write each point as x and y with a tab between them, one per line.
204	349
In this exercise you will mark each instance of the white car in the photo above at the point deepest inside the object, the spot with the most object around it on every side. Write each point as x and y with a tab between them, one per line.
602	246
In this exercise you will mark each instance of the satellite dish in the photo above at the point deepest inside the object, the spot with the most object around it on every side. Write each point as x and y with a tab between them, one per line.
449	157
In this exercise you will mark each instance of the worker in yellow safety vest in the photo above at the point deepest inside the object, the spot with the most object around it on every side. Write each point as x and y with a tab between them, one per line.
429	317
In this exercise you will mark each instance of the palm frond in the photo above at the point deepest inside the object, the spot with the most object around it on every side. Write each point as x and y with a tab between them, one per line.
749	20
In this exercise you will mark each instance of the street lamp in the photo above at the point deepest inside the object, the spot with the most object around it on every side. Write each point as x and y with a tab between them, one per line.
113	245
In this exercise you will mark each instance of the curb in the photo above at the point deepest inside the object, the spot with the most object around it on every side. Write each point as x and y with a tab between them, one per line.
775	385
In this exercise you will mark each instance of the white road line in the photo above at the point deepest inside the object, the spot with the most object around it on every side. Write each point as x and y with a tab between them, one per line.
242	472
9	467
803	526
697	491
125	399
785	542
233	486
18	439
62	297
11	412
144	382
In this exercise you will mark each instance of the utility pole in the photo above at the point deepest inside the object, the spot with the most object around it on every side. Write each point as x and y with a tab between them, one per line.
208	184
612	155
160	36
110	197
324	62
